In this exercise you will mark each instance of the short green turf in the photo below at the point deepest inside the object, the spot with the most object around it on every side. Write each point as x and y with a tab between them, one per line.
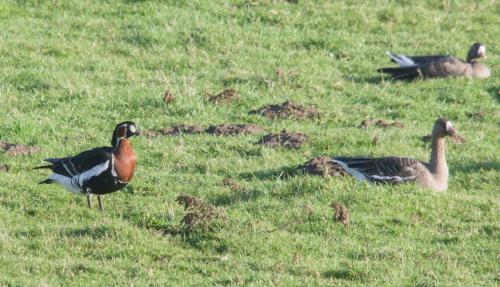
71	70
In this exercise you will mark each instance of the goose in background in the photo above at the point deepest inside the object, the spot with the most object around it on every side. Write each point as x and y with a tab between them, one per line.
433	175
439	66
97	171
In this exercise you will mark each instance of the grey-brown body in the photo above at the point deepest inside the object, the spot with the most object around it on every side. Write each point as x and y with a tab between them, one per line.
438	66
432	175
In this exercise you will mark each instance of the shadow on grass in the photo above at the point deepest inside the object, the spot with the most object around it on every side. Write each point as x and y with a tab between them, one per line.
475	166
240	196
278	173
446	240
244	195
157	223
369	80
97	232
342	274
495	92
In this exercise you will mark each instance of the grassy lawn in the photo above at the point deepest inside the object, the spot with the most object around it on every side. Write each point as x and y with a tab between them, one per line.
71	70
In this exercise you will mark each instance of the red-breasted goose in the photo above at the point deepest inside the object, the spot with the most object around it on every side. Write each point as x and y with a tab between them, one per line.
433	175
439	66
97	171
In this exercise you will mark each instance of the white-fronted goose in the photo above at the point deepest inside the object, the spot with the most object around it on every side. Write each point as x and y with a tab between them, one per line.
433	175
97	171
439	66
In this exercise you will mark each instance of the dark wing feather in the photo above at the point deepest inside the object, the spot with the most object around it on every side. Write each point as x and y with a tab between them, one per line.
387	170
71	166
427	59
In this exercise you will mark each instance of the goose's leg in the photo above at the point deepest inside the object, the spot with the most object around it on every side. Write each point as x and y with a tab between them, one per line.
88	201
100	203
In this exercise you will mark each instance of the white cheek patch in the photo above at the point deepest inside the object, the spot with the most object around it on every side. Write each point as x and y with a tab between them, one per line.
481	50
449	126
132	129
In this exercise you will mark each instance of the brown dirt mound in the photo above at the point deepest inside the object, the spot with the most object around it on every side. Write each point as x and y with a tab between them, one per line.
183	129
284	139
380	123
168	97
4	168
476	115
225	96
200	215
231	184
175	130
189	201
286	110
323	166
18	149
230	129
150	133
341	215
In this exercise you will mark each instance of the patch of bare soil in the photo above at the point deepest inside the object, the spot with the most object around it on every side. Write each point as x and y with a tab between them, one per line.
231	129
4	168
476	115
324	166
285	110
380	123
457	139
199	215
150	133
175	130
231	184
284	139
18	149
225	96
183	129
341	215
168	97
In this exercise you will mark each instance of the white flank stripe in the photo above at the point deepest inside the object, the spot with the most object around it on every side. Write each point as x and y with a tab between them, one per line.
66	182
95	171
113	171
72	166
67	169
358	175
397	178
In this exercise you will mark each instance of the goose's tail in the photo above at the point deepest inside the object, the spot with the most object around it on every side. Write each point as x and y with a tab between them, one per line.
402	60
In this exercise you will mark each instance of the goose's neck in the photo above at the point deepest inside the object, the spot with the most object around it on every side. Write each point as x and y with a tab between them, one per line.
438	165
123	147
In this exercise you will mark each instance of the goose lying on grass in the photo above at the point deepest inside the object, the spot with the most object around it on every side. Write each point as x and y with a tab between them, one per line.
433	175
439	66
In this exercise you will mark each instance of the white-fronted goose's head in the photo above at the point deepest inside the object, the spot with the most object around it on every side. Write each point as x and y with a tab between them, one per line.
124	130
477	51
443	127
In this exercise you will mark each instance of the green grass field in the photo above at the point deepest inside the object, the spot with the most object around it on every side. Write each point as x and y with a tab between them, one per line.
71	70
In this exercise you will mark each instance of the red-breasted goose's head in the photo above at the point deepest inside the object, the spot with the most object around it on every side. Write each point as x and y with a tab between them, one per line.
443	127
476	51
124	130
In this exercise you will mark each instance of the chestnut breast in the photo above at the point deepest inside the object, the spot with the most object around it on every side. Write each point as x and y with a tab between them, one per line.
124	160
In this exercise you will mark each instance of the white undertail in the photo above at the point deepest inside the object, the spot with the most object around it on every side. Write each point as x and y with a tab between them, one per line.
358	175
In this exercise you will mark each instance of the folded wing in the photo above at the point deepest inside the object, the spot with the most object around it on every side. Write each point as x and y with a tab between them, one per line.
387	170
